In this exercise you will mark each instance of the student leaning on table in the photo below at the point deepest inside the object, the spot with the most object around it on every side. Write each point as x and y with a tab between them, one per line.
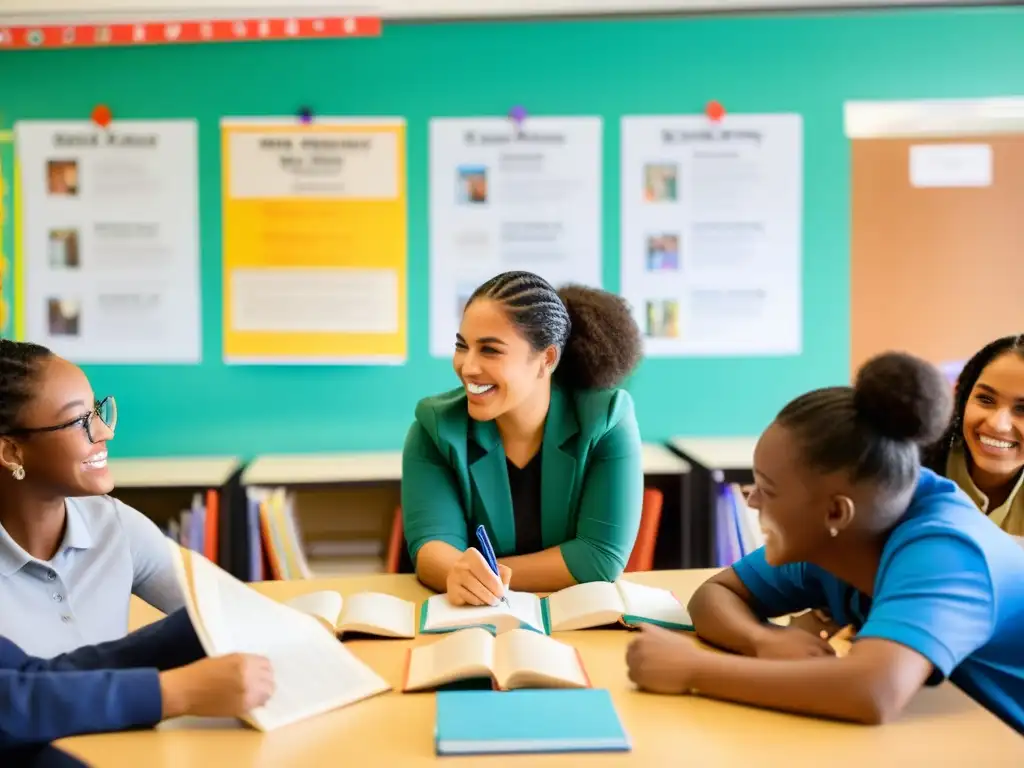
982	450
855	526
70	556
155	673
537	444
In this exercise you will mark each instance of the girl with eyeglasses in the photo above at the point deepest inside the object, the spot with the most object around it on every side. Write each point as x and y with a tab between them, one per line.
71	556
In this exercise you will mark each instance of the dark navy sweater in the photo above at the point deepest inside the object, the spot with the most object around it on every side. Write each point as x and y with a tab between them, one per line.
108	687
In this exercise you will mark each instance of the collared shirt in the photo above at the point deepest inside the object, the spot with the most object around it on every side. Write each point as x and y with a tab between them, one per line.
81	597
950	585
1009	515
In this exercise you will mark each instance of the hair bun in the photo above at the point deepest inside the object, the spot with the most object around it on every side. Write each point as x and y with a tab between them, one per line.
903	398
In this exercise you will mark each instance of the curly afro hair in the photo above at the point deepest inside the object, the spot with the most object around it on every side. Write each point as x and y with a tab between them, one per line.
598	340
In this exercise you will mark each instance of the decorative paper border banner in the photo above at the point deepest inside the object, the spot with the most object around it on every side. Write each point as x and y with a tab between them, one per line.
170	32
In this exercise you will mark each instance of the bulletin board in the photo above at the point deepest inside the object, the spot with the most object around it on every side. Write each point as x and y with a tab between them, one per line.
936	254
810	65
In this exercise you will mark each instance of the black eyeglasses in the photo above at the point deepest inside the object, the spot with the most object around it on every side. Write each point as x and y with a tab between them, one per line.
105	410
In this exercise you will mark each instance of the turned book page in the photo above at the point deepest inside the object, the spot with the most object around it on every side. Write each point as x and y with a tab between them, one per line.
369	613
601	603
439	615
313	672
519	658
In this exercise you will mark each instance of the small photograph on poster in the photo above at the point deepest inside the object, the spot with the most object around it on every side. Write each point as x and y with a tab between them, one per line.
662	252
661	182
663	319
472	184
64	251
62	178
63	316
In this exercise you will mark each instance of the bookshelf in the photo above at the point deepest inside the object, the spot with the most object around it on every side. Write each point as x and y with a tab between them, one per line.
344	506
670	474
714	461
164	488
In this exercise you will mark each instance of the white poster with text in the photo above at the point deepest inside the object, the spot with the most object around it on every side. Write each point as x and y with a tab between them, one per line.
110	240
712	217
507	196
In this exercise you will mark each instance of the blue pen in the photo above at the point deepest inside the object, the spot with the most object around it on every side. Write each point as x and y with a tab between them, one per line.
488	552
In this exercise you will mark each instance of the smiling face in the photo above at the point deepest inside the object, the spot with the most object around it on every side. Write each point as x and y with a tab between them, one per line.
796	507
993	421
63	462
496	364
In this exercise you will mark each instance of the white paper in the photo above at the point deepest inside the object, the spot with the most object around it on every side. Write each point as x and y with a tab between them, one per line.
712	233
111	244
313	672
951	165
506	197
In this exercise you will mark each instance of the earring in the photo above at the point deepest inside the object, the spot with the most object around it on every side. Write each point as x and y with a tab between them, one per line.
833	532
18	472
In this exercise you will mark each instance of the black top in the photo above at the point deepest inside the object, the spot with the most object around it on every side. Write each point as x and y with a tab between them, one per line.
525	486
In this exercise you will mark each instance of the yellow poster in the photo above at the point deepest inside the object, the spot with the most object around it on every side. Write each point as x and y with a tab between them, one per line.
314	241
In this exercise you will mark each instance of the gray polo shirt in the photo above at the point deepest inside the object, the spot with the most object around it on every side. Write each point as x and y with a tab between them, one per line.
80	597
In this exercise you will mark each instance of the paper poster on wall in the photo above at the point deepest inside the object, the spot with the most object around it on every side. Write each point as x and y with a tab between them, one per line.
314	241
110	243
510	196
711	233
6	231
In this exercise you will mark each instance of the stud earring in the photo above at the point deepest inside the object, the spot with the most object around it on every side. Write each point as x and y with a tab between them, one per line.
18	472
833	532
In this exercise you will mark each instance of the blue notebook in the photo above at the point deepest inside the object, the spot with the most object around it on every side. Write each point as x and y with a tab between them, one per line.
493	722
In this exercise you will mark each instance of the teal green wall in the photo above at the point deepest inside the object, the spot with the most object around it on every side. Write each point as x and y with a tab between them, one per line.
808	65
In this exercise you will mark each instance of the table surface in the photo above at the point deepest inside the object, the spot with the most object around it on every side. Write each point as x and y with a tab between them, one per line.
942	726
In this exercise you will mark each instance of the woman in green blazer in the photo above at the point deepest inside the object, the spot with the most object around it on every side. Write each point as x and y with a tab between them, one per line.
536	444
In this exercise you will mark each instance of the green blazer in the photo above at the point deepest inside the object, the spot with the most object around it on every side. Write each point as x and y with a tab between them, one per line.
454	477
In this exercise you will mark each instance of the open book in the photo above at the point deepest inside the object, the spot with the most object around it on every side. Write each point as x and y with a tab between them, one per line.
519	658
313	672
367	613
582	606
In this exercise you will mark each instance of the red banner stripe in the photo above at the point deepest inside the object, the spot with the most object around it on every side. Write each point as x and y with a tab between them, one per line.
171	32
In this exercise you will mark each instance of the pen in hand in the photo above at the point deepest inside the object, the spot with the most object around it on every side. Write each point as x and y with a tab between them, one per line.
488	552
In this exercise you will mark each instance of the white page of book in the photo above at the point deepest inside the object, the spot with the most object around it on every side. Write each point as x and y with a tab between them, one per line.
652	603
379	612
585	605
523	607
466	653
313	672
324	604
522	651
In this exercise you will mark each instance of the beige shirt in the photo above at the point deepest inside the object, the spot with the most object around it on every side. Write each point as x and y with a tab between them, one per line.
1009	515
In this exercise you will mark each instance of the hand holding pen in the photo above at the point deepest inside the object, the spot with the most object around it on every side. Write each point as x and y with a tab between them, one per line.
472	580
492	562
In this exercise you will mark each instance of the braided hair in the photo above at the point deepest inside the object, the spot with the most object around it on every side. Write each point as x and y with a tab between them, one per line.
19	361
598	341
936	456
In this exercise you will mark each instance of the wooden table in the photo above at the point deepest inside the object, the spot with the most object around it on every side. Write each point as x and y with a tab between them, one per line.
941	727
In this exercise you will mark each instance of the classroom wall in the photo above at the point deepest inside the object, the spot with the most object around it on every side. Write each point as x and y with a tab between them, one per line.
803	64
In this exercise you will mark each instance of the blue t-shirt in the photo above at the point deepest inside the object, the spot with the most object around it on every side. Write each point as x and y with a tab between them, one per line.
950	585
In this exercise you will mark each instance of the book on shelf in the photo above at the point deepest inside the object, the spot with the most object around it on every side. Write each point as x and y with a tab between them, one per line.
195	528
276	536
737	528
364	613
519	658
582	606
313	672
